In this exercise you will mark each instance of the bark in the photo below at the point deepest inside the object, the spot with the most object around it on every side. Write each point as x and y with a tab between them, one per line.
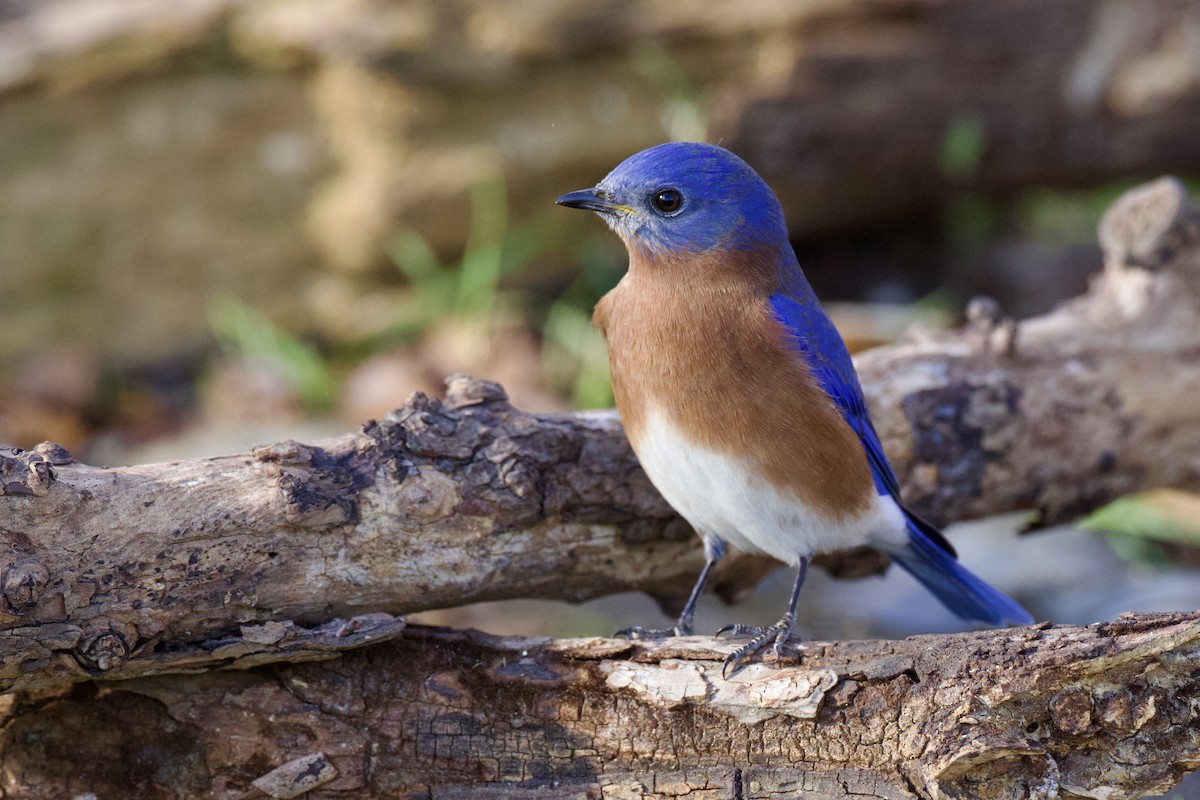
121	572
1064	412
1104	711
298	552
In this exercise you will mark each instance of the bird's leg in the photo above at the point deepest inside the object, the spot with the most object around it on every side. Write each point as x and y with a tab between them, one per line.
779	632
683	626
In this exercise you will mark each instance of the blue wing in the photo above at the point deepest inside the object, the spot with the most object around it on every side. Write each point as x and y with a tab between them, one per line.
822	348
927	556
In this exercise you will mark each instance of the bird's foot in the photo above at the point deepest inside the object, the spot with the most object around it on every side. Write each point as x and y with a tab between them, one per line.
638	632
777	633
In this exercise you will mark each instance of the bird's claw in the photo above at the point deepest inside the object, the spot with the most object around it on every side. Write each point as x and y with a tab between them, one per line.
778	633
737	629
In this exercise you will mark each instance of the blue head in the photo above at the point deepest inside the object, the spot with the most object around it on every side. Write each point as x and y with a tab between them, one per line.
686	196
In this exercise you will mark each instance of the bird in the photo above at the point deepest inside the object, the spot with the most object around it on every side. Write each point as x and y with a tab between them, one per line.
738	395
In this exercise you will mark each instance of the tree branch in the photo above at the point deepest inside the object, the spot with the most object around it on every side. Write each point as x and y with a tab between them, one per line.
243	561
130	571
124	572
1108	710
1065	412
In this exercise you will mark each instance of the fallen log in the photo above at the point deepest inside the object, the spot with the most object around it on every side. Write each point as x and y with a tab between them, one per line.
1109	710
123	572
295	553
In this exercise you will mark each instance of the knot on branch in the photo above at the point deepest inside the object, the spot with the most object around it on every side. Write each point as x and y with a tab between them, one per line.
989	329
428	428
55	453
106	646
24	472
22	585
1147	224
464	390
489	456
508	465
320	488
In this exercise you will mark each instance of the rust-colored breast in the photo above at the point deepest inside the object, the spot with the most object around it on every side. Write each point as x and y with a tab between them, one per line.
695	340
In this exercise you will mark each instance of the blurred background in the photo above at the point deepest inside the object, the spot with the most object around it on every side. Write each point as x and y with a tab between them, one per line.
225	222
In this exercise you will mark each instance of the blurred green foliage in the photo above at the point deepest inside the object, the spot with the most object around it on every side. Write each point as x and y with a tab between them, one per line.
1052	215
963	145
971	220
1139	525
246	335
486	285
470	288
575	358
1066	216
478	287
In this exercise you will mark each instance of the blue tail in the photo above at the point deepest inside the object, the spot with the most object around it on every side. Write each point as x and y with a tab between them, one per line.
961	591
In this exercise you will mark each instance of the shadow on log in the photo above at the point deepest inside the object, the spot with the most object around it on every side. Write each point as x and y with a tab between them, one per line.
300	552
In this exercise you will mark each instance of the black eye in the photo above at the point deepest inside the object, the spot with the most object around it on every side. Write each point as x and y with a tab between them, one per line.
668	201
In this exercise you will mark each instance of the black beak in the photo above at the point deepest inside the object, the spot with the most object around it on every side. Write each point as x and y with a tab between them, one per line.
590	200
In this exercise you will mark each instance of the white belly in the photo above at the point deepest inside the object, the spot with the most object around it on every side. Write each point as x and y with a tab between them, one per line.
721	496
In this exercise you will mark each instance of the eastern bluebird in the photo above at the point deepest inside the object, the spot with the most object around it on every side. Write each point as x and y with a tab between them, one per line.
737	393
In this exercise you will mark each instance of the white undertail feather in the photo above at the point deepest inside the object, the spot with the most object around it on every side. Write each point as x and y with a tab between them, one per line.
721	496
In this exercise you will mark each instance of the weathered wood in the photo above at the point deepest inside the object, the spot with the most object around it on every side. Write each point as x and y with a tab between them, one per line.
1063	412
125	571
132	571
1109	710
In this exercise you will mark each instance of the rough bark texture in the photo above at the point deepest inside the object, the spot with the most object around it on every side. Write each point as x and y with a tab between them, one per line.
1104	711
120	572
245	560
1064	412
126	571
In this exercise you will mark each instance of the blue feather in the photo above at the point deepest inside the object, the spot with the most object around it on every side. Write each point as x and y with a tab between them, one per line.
823	350
958	588
927	556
